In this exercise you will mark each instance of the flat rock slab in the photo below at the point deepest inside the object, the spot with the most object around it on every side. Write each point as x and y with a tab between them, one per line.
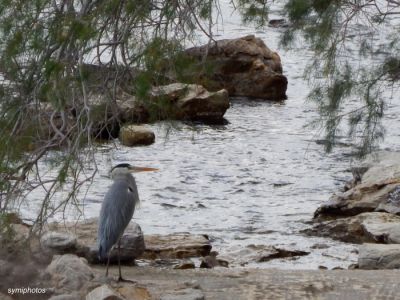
260	253
181	245
378	256
249	284
371	227
132	241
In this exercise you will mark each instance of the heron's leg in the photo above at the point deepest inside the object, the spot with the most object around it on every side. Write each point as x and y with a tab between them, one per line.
108	262
119	265
119	260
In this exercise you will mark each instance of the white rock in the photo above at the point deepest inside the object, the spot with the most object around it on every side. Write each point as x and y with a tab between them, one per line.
58	240
69	272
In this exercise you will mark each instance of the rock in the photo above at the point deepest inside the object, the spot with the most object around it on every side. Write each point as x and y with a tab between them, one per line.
69	272
185	265
211	261
378	256
179	245
184	294
132	135
103	292
262	253
243	66
378	189
60	242
132	241
278	23
188	102
319	246
371	227
134	292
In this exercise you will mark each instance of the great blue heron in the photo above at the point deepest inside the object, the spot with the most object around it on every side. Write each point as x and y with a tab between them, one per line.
117	210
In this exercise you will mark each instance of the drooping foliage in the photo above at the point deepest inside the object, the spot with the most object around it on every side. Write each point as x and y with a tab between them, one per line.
355	67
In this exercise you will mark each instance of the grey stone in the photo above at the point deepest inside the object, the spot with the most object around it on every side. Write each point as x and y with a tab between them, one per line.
69	272
103	292
59	241
378	256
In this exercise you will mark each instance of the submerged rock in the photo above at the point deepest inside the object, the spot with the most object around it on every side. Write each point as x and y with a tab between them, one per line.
376	256
244	66
133	135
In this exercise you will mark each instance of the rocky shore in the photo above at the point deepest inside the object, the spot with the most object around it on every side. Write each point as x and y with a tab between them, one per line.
367	212
184	266
68	277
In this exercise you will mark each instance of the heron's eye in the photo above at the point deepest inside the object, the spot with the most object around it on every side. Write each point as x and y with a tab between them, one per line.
130	189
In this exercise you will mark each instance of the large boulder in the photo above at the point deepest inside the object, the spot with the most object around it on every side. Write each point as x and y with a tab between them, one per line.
378	189
132	241
244	66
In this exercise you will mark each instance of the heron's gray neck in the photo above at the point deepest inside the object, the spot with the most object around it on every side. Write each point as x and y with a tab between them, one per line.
123	176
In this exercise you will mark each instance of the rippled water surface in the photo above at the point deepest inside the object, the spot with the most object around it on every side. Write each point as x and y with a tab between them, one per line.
256	180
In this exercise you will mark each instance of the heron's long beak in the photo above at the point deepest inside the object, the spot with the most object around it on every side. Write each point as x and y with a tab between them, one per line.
134	169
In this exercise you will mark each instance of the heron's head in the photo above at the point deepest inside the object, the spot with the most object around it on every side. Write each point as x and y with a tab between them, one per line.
122	169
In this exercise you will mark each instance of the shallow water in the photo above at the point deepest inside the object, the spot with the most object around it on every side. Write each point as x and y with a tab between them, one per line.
256	180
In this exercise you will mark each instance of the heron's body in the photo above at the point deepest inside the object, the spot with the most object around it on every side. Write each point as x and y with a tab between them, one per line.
117	210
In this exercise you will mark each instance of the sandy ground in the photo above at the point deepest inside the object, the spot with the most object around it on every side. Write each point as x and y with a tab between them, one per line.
247	284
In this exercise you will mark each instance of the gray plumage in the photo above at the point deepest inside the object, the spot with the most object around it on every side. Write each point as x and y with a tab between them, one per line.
116	211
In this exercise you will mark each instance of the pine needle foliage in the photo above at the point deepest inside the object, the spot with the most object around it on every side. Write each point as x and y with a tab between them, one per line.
355	65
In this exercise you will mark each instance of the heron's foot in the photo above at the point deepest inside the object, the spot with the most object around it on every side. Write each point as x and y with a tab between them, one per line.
120	279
